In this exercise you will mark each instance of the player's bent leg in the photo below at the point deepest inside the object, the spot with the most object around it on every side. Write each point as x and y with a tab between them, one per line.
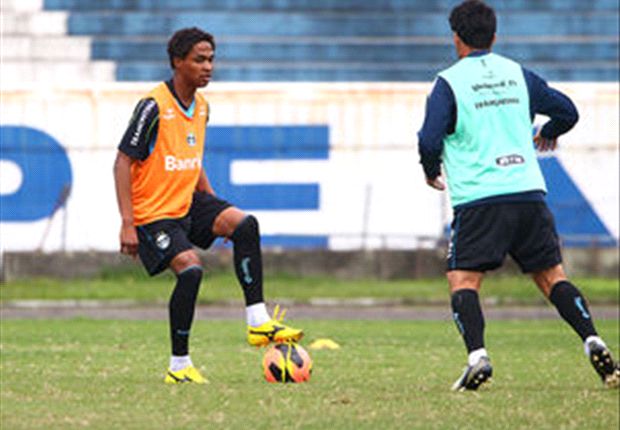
573	308
567	299
469	320
187	268
227	221
244	232
248	260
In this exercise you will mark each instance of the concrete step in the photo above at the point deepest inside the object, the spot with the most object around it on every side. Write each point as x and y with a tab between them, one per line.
21	5
56	72
45	48
33	23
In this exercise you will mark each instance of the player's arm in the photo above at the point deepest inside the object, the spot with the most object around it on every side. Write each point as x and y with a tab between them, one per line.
122	179
439	121
135	146
550	102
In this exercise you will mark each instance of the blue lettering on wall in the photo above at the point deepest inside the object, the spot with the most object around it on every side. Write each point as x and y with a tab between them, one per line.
46	174
226	144
577	222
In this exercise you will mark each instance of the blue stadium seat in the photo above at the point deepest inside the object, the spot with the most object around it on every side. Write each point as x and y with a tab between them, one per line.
345	40
149	71
334	5
330	24
135	49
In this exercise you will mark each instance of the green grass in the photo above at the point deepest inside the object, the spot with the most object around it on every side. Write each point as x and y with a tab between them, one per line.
69	374
224	287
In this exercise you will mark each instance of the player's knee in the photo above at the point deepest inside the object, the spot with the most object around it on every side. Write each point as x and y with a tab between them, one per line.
186	289
546	278
246	230
464	280
184	260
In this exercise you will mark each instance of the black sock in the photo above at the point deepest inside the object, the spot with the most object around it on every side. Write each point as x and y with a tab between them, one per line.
468	317
181	308
248	260
573	307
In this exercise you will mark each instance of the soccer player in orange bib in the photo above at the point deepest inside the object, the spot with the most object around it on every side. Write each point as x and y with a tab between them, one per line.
168	206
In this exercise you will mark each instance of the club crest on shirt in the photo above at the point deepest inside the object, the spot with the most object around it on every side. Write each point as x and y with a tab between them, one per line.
162	240
191	139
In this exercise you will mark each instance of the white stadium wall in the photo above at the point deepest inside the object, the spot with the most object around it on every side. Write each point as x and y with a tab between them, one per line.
327	165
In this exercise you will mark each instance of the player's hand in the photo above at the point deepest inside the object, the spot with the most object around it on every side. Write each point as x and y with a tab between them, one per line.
436	183
129	240
543	144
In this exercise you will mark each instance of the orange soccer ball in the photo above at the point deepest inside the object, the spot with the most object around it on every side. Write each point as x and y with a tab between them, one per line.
287	362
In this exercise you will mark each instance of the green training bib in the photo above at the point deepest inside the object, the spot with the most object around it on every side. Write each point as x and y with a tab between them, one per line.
491	151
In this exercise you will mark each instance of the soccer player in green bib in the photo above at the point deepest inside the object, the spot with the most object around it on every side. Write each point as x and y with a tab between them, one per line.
478	124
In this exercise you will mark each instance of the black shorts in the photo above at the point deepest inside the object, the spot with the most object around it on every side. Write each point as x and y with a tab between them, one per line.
162	240
481	237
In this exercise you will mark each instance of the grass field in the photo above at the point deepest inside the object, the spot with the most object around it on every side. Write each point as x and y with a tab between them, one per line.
64	374
217	287
82	373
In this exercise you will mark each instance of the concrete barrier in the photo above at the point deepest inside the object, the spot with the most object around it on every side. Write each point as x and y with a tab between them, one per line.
375	264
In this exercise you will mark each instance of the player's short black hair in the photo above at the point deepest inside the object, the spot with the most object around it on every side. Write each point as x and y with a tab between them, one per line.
182	41
475	23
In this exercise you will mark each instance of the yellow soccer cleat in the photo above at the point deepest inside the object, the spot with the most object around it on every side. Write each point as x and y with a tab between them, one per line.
187	374
273	331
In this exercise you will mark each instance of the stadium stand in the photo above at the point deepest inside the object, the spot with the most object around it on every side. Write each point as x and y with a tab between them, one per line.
305	40
35	46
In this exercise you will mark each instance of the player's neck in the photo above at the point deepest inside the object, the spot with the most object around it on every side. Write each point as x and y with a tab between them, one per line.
463	50
184	91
